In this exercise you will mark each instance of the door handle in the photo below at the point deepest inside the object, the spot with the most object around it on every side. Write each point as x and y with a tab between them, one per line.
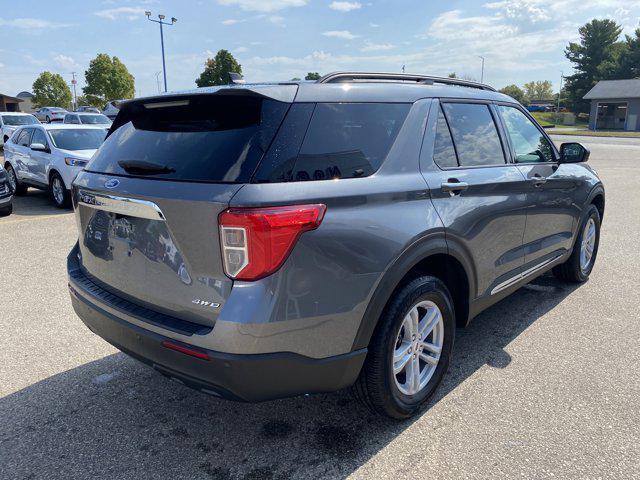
538	180
454	186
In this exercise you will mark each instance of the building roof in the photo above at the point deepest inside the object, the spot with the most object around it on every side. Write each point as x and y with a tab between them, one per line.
9	97
609	89
25	94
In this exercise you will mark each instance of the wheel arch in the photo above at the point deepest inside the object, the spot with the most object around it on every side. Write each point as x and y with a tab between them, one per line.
596	197
428	256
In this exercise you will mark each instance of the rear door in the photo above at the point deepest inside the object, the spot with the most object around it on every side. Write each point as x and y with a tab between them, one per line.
21	154
39	161
550	193
477	193
148	202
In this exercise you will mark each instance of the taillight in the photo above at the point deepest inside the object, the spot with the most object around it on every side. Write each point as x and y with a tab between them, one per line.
256	241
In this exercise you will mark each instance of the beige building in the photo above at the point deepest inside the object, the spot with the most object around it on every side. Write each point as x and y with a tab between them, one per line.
27	102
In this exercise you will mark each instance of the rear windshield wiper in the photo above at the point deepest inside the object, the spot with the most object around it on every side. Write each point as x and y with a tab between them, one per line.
139	167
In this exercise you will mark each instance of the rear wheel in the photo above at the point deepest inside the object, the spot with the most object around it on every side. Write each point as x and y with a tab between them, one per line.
60	194
410	350
47	119
16	186
583	257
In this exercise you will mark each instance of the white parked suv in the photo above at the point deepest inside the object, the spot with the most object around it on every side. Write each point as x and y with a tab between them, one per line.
112	108
11	121
49	157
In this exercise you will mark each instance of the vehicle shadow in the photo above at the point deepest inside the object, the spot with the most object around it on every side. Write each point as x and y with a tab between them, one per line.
114	418
35	203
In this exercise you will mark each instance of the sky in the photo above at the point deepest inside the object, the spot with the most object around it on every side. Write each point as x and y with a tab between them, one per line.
521	40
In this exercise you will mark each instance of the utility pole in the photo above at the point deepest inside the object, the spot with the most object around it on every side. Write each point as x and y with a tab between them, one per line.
75	97
482	72
161	22
560	92
158	80
403	68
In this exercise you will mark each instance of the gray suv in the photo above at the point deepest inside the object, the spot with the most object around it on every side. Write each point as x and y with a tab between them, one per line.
262	241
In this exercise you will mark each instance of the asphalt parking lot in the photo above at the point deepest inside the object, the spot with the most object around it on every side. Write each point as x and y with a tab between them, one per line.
544	384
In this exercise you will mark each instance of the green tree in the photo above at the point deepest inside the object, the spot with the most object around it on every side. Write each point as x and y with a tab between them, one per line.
516	93
217	70
107	79
539	90
312	76
629	57
591	59
295	79
452	75
50	90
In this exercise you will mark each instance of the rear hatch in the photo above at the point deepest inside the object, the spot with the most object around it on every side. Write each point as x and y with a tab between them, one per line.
147	205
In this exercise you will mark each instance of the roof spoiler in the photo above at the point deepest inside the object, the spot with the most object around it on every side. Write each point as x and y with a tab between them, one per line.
364	77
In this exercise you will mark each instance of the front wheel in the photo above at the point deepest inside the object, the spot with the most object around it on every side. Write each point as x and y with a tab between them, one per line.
410	349
583	257
60	194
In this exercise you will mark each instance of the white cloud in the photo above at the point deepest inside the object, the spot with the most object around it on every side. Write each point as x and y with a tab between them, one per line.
241	49
344	34
66	62
345	6
31	23
376	47
373	25
521	10
276	20
263	5
128	13
231	21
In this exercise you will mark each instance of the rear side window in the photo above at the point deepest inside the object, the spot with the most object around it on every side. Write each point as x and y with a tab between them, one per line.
348	140
205	138
332	140
475	134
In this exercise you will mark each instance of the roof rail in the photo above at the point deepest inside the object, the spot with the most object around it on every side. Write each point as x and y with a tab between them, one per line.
344	77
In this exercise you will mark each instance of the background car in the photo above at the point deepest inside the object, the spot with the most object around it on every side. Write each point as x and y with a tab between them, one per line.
49	157
50	114
88	109
81	118
6	194
10	121
112	108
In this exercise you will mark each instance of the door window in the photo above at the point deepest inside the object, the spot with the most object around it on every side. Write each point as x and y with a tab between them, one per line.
23	137
39	137
444	153
474	134
529	143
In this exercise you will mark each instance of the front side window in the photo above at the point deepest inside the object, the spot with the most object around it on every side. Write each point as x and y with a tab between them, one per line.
71	119
23	138
475	134
529	143
348	140
39	137
76	139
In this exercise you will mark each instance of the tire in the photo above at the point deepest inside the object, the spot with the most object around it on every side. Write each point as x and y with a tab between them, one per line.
47	119
574	270
59	193
6	211
18	188
378	387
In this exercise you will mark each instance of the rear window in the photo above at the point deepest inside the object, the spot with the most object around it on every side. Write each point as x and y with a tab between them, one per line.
97	119
72	139
209	139
341	140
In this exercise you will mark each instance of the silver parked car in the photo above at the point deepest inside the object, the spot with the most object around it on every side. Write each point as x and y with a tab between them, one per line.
50	114
49	157
87	109
81	118
11	121
112	108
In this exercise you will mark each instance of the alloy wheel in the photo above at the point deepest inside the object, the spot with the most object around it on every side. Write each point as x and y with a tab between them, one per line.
588	245
57	188
418	347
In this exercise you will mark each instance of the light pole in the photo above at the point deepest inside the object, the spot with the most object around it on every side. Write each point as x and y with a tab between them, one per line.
560	92
482	73
158	80
161	22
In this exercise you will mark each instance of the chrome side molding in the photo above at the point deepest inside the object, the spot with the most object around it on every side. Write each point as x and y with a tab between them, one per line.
121	205
522	275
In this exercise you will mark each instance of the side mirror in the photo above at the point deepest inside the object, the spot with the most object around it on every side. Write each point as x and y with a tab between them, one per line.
573	153
39	147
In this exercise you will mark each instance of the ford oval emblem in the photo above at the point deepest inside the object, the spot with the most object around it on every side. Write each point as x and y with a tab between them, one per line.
113	183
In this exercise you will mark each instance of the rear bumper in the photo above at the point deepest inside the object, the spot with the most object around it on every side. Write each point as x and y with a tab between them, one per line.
251	377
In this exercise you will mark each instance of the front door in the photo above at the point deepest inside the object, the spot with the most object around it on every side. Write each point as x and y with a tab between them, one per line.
39	160
550	211
477	194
